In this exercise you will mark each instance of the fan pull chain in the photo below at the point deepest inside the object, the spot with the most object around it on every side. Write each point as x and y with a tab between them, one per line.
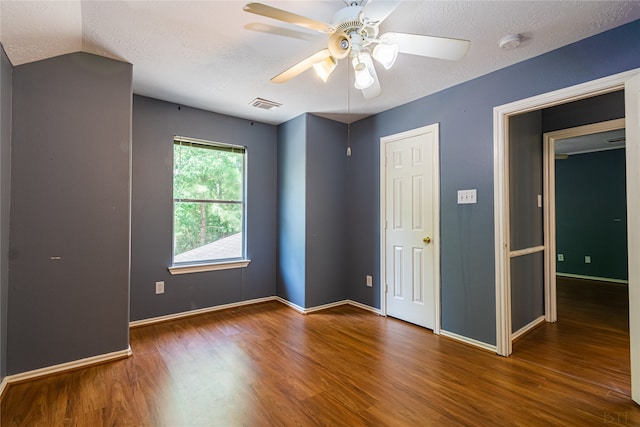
348	113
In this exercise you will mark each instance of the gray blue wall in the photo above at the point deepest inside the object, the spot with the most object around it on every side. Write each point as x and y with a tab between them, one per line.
601	108
6	87
70	198
525	180
591	214
465	114
154	125
526	217
312	194
326	211
292	193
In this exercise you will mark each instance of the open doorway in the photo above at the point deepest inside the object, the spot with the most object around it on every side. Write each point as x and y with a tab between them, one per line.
630	83
587	294
586	223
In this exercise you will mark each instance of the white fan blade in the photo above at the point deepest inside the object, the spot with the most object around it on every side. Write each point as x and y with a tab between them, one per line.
291	18
434	47
301	66
375	89
378	11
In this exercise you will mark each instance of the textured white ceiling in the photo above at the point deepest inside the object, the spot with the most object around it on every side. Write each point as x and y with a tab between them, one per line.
212	55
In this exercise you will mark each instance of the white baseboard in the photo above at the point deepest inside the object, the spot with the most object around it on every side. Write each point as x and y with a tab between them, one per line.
526	328
303	310
470	341
168	317
325	306
68	366
296	307
3	386
364	307
599	279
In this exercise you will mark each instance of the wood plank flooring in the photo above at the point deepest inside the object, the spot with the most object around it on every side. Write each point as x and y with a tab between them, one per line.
590	341
267	365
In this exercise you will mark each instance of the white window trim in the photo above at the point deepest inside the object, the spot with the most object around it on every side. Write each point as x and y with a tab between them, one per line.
214	265
198	268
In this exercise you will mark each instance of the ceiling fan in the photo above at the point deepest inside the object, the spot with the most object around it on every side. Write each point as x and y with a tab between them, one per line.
354	33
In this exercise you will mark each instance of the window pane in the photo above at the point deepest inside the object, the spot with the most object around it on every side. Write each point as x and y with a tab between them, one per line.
207	173
207	231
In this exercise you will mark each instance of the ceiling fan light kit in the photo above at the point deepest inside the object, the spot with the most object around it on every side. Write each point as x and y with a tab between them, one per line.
354	33
386	54
363	77
325	67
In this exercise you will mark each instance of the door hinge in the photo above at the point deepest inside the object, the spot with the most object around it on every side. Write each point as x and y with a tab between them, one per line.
386	288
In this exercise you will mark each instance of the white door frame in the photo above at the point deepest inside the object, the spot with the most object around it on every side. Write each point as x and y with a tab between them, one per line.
501	115
435	170
632	151
550	296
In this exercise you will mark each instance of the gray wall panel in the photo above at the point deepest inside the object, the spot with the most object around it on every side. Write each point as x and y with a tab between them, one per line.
312	195
363	201
608	106
527	289
292	193
525	180
326	211
591	214
155	123
6	87
70	196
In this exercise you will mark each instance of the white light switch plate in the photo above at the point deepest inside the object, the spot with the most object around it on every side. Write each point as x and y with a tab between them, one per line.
467	196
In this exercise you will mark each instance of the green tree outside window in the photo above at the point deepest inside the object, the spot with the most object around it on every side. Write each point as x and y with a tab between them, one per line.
208	194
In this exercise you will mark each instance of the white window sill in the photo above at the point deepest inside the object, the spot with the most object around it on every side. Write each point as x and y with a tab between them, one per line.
197	268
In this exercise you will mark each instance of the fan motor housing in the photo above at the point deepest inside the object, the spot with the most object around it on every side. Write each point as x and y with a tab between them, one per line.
348	20
339	45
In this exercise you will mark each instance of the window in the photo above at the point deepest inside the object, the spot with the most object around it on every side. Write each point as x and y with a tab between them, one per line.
208	206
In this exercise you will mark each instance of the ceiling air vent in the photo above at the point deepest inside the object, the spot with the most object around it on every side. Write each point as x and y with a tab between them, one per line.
611	141
265	104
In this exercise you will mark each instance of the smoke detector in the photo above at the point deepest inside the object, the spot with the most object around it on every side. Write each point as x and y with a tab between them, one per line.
510	41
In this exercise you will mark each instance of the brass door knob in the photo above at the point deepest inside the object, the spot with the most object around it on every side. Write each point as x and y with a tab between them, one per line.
427	239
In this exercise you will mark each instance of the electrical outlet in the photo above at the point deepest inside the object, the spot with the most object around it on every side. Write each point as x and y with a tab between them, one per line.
369	281
587	259
159	287
560	257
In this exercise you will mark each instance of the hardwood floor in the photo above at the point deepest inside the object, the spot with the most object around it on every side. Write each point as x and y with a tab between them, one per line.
267	365
590	341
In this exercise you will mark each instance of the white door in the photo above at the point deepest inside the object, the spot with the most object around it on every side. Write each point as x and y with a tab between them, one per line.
411	226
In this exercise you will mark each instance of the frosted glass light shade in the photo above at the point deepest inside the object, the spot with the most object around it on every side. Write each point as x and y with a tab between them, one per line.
364	79
386	54
325	67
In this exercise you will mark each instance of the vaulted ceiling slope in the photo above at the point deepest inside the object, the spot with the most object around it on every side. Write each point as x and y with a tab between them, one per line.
213	55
